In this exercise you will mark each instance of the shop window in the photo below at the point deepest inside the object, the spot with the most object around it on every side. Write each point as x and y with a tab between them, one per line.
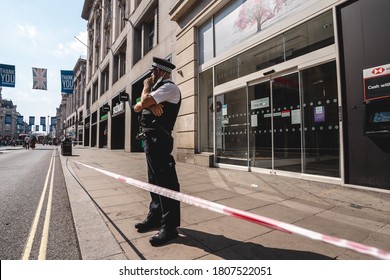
206	111
315	34
241	19
206	45
231	128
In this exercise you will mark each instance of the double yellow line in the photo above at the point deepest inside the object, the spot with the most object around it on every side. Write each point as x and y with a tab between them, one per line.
45	232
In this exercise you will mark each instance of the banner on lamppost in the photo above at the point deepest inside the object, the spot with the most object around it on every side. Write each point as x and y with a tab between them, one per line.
31	121
19	120
8	119
67	81
43	121
7	75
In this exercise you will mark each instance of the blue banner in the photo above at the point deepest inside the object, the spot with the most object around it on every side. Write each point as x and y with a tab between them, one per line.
67	81
43	121
54	121
19	120
8	119
7	75
31	121
37	127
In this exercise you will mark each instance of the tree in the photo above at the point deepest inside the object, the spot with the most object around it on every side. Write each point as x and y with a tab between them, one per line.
258	12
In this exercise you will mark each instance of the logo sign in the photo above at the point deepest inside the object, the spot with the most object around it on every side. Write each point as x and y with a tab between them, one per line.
376	82
106	108
123	96
118	108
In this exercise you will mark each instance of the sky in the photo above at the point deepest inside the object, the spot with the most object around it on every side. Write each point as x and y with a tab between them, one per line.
40	33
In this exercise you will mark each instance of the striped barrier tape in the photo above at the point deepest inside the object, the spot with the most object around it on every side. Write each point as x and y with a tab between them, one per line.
254	218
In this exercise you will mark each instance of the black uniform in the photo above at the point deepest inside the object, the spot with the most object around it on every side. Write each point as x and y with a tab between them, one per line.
158	145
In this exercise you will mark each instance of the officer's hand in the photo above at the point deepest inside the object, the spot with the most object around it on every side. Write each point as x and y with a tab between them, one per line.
148	82
157	109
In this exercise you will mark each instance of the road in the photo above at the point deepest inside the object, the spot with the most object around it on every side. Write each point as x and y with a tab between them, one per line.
35	215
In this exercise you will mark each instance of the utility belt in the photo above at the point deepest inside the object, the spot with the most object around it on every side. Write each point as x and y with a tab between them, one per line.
158	129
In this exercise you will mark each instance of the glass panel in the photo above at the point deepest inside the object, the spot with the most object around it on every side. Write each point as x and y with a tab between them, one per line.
231	128
321	121
307	37
260	139
310	36
263	56
205	43
286	123
206	109
228	29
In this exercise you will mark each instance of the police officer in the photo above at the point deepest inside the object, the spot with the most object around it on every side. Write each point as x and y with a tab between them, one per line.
159	107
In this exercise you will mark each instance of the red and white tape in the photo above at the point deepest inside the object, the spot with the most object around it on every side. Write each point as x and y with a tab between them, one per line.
254	218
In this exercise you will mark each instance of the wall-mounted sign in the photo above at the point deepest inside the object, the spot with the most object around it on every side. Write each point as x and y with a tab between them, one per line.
118	108
106	108
376	82
123	96
260	103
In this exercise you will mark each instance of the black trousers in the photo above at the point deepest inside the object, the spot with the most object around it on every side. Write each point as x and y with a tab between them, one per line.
162	172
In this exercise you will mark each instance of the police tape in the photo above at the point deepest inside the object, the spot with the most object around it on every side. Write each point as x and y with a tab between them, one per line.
254	218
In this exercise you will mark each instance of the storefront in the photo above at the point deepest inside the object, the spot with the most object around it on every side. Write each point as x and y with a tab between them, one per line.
276	104
303	93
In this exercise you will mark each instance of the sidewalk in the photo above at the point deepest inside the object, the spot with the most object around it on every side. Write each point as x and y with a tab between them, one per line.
105	211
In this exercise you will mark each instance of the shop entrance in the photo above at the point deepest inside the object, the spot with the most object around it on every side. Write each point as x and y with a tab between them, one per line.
287	123
274	109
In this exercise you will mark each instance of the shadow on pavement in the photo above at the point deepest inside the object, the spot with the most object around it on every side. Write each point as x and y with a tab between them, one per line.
229	249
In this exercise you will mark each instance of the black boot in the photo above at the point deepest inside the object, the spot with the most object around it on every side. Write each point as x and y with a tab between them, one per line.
147	225
163	236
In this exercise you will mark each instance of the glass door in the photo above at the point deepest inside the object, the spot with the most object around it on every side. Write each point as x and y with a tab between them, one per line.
275	121
286	118
260	139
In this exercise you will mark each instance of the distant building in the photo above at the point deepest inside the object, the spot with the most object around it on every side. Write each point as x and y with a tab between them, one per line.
8	119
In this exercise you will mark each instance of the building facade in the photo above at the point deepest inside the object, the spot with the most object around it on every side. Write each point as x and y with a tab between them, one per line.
9	120
281	87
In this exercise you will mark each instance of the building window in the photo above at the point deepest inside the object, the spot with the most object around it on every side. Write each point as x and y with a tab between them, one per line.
145	36
206	42
95	94
119	63
241	19
122	15
88	103
104	80
315	34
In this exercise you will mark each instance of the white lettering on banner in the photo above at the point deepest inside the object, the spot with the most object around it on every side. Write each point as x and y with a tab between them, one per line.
67	81
9	78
